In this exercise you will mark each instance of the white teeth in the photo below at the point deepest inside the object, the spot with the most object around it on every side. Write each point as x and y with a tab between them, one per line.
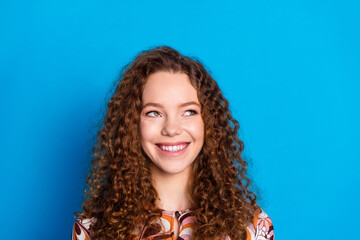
173	148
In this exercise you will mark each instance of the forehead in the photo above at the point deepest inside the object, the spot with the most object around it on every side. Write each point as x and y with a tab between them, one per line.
168	88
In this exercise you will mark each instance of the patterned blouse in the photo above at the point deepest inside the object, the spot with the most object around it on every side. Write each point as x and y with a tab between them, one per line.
260	229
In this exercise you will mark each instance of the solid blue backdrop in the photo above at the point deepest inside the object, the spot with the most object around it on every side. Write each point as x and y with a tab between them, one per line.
290	70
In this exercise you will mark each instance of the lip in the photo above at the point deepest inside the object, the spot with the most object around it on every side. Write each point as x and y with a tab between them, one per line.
172	143
172	154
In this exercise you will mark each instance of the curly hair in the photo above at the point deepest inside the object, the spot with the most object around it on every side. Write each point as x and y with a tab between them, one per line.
120	195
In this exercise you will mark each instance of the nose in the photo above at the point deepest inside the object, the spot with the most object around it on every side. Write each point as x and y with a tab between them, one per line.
172	127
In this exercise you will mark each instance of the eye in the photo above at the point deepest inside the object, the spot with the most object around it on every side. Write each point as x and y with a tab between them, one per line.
152	114
190	112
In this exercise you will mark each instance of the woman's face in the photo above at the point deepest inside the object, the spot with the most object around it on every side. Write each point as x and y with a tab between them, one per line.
171	126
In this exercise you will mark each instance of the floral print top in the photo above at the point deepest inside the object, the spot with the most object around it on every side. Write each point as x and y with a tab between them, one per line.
261	228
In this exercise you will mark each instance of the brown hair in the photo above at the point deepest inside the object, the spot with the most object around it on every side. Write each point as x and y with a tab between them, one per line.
120	194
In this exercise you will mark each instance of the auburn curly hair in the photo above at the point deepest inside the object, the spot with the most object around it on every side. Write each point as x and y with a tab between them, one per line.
120	195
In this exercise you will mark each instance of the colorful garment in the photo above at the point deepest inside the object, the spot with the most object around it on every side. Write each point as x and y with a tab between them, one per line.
260	229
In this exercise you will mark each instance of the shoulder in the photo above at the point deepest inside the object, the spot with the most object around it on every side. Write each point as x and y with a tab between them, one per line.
261	228
81	229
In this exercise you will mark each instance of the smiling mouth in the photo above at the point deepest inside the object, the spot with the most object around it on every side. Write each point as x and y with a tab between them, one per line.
173	148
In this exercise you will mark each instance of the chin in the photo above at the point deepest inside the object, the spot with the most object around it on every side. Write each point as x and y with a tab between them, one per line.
172	170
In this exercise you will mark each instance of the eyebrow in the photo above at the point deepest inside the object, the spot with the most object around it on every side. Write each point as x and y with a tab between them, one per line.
150	104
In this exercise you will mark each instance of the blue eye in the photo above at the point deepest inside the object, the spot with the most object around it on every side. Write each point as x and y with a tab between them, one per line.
153	114
190	112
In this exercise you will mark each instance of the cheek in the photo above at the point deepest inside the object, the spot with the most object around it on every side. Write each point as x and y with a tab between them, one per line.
143	131
145	136
147	131
201	130
197	130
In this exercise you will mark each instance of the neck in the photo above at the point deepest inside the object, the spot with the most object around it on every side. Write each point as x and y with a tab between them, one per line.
172	189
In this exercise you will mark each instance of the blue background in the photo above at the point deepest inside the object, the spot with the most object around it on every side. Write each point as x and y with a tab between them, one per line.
290	70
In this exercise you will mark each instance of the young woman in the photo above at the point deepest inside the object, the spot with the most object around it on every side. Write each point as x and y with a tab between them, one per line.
167	164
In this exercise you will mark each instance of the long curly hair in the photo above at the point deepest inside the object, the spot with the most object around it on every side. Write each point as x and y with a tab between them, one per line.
120	196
